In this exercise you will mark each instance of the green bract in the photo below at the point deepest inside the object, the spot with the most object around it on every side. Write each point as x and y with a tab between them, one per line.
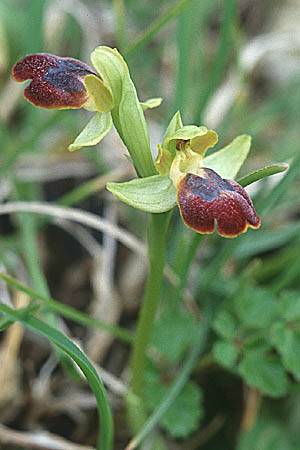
127	112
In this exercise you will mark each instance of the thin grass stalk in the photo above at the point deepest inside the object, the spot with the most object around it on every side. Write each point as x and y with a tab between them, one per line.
67	311
221	58
155	27
65	345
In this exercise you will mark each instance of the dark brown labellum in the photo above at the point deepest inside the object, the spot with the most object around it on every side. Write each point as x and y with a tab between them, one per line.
208	200
56	81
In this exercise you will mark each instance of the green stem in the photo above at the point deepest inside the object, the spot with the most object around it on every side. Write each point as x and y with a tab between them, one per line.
157	243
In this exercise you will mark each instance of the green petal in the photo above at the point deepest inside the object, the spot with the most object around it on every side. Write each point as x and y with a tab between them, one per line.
151	103
100	96
262	173
154	194
174	125
200	137
228	161
94	131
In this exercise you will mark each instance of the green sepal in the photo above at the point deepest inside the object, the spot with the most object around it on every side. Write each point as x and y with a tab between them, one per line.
94	131
151	103
100	95
228	161
127	114
154	194
167	151
264	172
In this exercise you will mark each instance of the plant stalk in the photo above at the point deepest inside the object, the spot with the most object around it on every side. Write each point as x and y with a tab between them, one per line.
156	243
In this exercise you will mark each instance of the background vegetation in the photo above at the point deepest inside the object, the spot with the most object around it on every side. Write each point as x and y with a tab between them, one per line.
228	331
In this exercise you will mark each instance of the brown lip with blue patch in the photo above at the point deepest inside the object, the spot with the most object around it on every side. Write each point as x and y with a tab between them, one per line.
209	199
56	82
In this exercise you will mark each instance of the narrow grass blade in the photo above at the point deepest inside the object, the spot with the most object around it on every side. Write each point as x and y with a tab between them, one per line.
221	58
57	338
156	26
174	390
68	312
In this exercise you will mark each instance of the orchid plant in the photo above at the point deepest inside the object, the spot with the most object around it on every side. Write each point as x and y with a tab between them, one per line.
203	187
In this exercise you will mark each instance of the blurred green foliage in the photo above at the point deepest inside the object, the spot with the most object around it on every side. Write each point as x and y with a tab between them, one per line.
252	283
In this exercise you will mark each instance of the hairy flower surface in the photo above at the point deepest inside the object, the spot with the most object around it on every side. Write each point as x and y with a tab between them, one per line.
57	82
207	199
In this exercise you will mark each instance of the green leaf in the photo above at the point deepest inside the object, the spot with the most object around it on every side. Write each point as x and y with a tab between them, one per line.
265	373
154	194
128	116
225	325
5	322
67	346
255	307
151	103
189	404
177	385
228	161
169	335
289	305
287	341
183	417
96	129
266	434
262	173
225	353
100	95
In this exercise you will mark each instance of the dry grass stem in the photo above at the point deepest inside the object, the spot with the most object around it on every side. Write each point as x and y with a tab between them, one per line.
77	215
37	441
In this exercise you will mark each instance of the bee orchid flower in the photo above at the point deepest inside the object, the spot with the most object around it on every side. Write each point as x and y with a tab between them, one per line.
60	82
203	187
207	201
